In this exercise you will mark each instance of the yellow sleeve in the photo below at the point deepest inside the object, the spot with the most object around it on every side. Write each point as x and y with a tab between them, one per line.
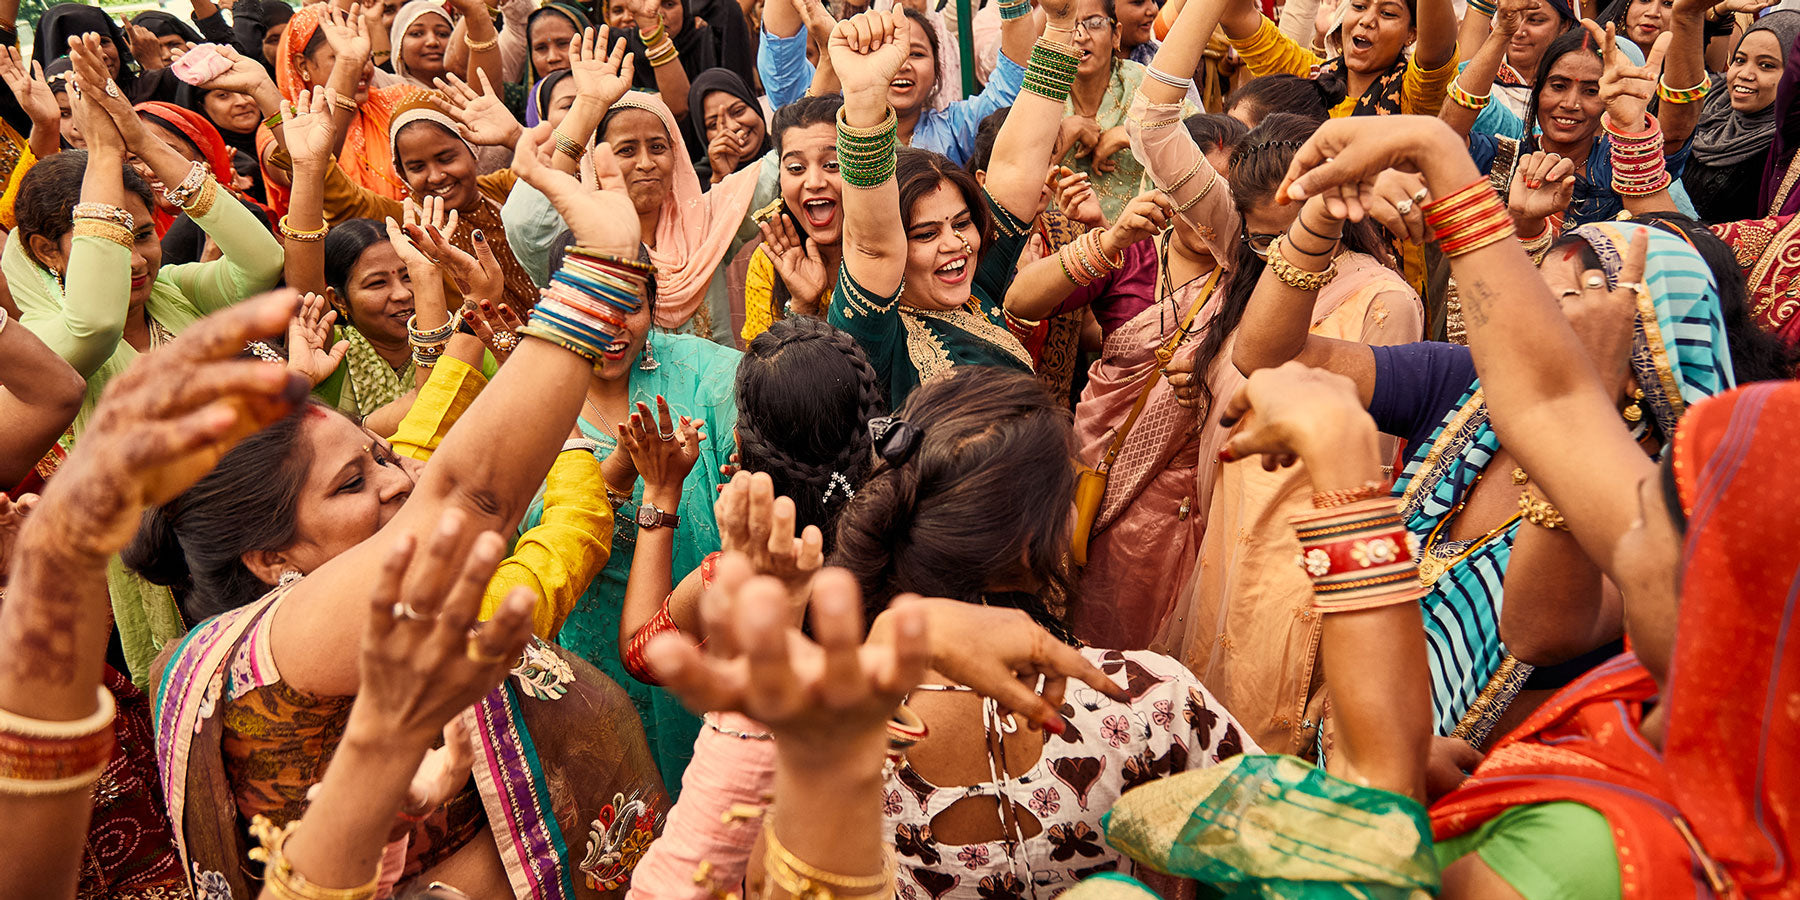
453	385
26	160
1423	92
559	557
1269	52
759	294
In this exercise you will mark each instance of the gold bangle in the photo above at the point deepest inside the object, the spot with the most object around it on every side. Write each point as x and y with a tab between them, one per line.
347	104
566	145
888	123
480	46
811	883
105	230
203	200
1541	512
279	875
1293	276
294	234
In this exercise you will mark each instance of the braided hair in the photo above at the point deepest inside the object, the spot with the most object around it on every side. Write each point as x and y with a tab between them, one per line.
805	393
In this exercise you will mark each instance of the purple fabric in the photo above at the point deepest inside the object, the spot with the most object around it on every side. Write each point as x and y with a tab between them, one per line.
1120	295
1787	137
1416	386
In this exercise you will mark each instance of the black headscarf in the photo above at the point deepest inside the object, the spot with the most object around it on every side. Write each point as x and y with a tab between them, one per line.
67	20
713	81
190	97
163	24
724	42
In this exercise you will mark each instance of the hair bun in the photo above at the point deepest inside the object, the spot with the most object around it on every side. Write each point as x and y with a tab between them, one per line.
155	553
894	438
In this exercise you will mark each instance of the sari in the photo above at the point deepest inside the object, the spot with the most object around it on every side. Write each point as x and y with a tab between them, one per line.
1126	180
1726	772
364	158
1679	355
1777	196
698	378
205	138
558	758
130	852
1768	252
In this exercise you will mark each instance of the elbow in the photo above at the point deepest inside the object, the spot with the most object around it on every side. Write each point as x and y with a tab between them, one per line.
65	396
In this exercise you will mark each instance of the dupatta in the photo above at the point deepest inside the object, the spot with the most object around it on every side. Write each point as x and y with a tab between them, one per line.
206	138
365	158
403	20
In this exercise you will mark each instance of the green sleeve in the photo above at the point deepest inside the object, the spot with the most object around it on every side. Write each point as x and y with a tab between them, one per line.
250	261
1545	851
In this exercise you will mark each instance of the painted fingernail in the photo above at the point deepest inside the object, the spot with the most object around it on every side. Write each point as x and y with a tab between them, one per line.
1055	725
1225	455
479	237
1533	183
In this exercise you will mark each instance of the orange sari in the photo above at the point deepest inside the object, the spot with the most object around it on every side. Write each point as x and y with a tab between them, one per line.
365	157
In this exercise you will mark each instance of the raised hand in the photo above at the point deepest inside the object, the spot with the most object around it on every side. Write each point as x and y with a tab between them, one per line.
1324	19
1144	217
604	219
245	76
1076	197
1509	15
1112	140
309	335
96	85
663	449
347	31
309	128
145	48
496	325
98	134
1346	154
797	261
480	116
645	14
600	75
759	525
1296	411
1542	185
866	52
815	16
477	275
29	87
1397	201
1627	88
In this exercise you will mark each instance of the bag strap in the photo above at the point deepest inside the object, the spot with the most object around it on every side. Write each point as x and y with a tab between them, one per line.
1163	355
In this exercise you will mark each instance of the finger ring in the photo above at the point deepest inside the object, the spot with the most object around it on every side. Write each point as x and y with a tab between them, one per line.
1635	286
480	657
1593	281
406	611
1404	206
667	437
1420	194
112	89
505	341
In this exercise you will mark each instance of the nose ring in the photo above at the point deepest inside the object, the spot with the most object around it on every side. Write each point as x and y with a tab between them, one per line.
967	247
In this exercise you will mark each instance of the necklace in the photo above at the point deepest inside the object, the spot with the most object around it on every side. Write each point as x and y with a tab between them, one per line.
606	426
1431	566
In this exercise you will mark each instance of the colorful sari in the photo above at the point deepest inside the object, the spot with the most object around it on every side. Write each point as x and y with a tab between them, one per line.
565	780
364	157
1679	355
1768	252
1712	813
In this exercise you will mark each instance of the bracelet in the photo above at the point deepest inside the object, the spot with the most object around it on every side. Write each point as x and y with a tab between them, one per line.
1293	276
273	120
433	338
866	156
1112	265
347	104
1019	10
1170	80
661	53
105	212
1469	219
1359	556
480	46
566	145
1639	168
39	757
1683	95
184	193
811	883
1050	72
304	237
1467	100
1368	490
279	875
1541	512
904	729
654	36
712	722
1485	7
203	204
106	230
633	653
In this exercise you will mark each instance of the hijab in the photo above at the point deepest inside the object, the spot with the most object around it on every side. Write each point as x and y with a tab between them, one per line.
190	97
1727	137
367	164
67	20
537	108
716	80
576	17
695	229
1777	201
403	20
163	25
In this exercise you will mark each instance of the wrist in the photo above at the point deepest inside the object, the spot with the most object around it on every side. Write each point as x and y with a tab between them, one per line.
661	496
1340	449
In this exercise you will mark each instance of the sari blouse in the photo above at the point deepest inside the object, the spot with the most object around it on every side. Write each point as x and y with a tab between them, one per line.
1269	52
908	345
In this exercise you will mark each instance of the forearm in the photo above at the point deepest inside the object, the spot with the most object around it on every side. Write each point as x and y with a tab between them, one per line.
651	568
1181	52
781	19
1476	78
40	396
1436	43
828	805
304	262
1039	290
480	32
1178	168
1027	138
578	125
45	138
1556	605
344	832
1017	36
874	237
1474	30
672	85
1685	68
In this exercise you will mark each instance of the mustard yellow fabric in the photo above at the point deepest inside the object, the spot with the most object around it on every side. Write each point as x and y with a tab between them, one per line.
1269	52
759	295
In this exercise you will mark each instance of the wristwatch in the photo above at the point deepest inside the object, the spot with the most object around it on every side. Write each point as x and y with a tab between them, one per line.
650	517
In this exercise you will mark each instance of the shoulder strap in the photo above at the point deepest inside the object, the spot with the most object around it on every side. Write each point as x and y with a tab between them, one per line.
1163	355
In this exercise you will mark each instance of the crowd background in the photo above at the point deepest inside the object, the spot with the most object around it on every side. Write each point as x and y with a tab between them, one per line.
953	451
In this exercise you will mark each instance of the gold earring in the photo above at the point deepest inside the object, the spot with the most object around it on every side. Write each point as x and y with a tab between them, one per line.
1633	412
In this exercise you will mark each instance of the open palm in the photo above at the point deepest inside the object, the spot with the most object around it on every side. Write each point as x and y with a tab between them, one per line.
601	73
309	129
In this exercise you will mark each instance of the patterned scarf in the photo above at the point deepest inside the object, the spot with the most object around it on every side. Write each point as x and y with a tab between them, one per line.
1384	94
372	383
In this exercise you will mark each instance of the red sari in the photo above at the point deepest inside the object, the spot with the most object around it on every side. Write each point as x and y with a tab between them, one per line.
1713	814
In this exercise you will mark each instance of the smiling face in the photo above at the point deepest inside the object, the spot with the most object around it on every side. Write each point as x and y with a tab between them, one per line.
562	97
435	162
1136	19
232	111
726	112
1569	104
1645	19
913	85
810	184
423	46
1375	33
550	37
943	244
1096	39
146	251
1539	27
646	157
1755	72
380	295
355	484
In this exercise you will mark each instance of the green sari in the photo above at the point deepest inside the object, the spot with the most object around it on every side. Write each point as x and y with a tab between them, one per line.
698	378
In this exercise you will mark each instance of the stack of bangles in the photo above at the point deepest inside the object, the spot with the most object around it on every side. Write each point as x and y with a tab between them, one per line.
428	346
1359	556
1637	160
566	145
866	156
304	237
279	877
807	882
1469	219
40	757
1014	9
1467	100
1694	94
195	193
105	221
584	307
1293	276
633	656
1051	72
1485	7
1181	84
1084	259
659	48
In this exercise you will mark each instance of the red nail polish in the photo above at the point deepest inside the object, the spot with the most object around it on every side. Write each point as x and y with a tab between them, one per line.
1055	725
1225	455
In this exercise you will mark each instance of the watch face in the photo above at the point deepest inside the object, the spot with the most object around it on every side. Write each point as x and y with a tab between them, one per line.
647	517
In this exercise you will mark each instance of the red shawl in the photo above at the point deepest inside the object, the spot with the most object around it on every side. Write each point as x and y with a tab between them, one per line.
205	136
1730	770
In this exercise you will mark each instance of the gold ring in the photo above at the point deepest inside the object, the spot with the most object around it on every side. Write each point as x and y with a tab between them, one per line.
474	653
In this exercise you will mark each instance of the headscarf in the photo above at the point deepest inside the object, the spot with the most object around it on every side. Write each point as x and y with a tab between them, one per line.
724	42
201	133
191	97
537	107
67	20
1777	195
569	11
420	108
403	20
715	80
1679	355
695	229
1726	137
163	24
370	166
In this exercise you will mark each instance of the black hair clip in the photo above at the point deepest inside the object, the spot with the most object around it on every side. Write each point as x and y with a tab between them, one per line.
895	439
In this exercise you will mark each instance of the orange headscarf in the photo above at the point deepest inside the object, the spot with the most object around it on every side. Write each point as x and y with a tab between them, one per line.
1730	767
365	157
206	138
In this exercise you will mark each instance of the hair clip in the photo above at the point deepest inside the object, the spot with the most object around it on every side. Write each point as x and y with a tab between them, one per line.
838	480
895	439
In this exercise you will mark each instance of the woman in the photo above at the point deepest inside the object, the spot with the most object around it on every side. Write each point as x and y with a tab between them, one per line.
1640	21
1376	74
729	117
920	288
549	31
331	500
550	99
420	38
980	806
720	41
236	117
1737	123
1538	22
370	288
310	57
790	269
1094	118
50	40
174	34
197	141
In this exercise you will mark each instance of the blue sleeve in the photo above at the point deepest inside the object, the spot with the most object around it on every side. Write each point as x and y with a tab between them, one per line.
1482	148
1495	118
963	118
781	63
1416	385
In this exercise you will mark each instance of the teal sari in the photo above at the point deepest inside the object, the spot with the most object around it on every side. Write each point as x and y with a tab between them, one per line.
698	378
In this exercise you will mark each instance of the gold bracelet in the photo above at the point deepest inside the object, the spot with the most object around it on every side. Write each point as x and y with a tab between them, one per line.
347	104
1293	276
481	46
279	875
304	237
203	201
1541	512
807	882
566	145
888	123
105	230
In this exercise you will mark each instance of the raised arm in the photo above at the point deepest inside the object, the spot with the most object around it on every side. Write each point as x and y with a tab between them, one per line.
33	93
664	465
1684	70
601	78
1436	44
1626	88
1474	85
866	51
1164	145
665	60
1022	149
39	396
348	33
481	39
1041	289
309	128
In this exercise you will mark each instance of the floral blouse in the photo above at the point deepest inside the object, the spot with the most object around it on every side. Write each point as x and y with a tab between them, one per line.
1172	724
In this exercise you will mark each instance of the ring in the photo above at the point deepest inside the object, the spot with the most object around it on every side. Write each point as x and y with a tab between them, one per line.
666	437
505	341
406	611
112	89
474	652
1636	286
1405	206
1420	194
1593	281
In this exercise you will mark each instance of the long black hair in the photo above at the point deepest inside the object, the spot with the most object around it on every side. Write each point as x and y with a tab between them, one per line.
1756	355
344	245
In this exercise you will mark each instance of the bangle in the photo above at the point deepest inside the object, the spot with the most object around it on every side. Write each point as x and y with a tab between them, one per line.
633	654
1170	80
104	212
433	338
1051	71
293	234
658	34
1541	512
1359	556
1467	100
1018	10
203	204
1368	490
39	757
1683	95
1639	168
347	104
805	881
273	120
661	53
182	194
480	46
1297	278
1469	219
566	145
867	156
279	875
711	720
105	230
1485	7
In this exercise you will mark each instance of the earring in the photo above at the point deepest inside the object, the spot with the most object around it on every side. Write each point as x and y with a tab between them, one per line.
289	578
1632	412
647	362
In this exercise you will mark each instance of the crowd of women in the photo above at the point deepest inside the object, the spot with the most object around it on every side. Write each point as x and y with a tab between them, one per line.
690	448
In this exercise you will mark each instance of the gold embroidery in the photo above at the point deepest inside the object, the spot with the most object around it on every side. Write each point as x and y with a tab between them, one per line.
978	326
1788	232
927	352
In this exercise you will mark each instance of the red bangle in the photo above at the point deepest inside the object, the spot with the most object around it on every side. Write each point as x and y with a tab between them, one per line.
633	657
1359	556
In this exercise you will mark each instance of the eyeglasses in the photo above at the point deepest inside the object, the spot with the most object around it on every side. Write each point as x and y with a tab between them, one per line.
1258	242
1092	24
